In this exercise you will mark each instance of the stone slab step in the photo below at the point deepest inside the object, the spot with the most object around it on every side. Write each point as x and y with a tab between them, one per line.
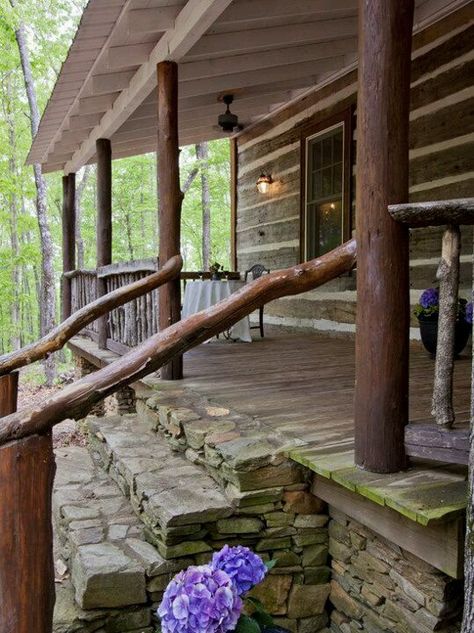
112	570
178	501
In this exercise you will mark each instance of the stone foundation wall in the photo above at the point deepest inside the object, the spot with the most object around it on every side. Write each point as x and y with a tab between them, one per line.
377	587
273	511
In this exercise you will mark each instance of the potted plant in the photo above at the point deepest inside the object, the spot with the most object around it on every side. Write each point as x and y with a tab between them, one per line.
215	270
427	313
213	598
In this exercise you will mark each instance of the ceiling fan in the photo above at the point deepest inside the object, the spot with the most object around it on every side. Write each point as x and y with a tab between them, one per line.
229	122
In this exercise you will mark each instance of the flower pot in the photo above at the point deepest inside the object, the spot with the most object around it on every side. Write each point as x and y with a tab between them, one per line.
216	276
429	335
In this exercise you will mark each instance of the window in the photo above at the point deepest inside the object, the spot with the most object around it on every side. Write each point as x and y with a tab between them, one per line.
326	192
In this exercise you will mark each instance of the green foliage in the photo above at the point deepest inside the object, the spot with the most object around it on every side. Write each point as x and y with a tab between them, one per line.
247	624
50	26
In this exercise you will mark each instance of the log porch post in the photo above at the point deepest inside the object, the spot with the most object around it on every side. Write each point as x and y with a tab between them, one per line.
104	222
26	535
69	243
170	200
383	302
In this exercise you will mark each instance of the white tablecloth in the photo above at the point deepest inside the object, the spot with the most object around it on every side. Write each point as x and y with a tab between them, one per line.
200	295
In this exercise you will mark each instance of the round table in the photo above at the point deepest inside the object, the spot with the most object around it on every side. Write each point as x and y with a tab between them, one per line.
203	294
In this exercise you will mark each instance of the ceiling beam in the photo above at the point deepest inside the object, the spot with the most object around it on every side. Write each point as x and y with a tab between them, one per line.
119	57
192	22
233	82
248	10
93	105
265	59
219	44
154	20
111	82
84	121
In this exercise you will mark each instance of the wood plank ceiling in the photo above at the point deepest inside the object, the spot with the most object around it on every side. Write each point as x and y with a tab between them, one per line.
264	52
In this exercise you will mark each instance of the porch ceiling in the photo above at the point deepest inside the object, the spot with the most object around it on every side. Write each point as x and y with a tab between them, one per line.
264	52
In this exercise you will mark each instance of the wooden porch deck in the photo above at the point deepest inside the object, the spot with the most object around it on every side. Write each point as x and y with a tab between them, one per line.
303	384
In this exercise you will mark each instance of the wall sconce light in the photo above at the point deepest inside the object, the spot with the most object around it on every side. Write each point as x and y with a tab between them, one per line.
263	183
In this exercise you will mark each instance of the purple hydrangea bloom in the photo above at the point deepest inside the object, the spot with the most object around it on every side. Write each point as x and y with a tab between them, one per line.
468	313
200	600
244	567
429	298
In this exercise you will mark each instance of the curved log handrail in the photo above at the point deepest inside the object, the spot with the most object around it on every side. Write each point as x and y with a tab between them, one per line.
437	213
57	338
75	400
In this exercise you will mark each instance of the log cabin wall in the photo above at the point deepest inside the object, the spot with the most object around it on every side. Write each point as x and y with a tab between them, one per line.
269	227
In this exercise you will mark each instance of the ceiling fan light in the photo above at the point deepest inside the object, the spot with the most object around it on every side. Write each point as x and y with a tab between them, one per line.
228	122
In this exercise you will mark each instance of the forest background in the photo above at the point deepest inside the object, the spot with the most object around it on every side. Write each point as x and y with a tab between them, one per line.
34	39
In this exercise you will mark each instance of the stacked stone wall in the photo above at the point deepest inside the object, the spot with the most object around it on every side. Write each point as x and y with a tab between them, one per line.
377	587
271	508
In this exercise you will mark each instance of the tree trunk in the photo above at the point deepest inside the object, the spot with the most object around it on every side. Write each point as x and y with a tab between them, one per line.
79	193
202	153
468	618
190	179
128	229
48	291
15	340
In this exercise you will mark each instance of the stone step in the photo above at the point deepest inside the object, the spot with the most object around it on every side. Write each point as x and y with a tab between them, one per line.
112	572
177	501
187	515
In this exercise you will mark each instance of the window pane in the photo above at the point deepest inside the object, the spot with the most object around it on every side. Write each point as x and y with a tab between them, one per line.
317	192
327	182
337	146
327	151
330	226
316	150
324	194
337	186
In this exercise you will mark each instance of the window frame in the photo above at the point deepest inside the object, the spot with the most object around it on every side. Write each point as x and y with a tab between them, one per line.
309	132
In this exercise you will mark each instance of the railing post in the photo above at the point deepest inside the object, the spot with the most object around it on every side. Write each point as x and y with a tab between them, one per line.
104	223
8	393
26	535
383	303
170	200
448	276
69	240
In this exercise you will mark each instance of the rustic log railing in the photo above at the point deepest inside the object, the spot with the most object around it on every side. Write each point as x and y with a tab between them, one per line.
442	442
134	322
82	318
26	452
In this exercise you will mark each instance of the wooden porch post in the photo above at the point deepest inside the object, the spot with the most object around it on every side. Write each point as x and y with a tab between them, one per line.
104	221
26	535
69	242
383	303
8	393
170	200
